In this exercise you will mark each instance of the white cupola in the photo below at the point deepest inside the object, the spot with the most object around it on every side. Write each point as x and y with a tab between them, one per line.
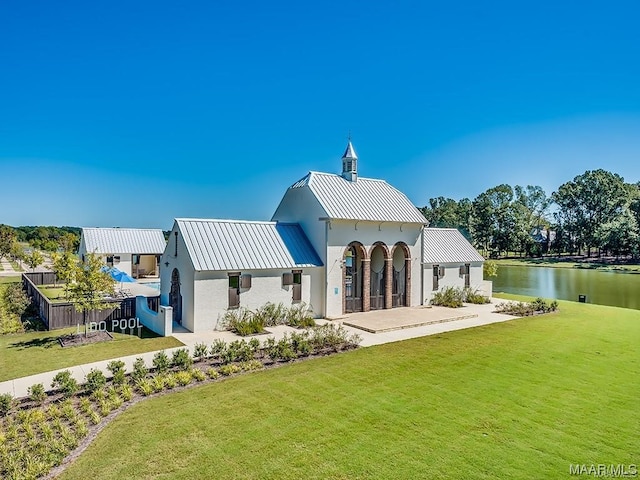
350	164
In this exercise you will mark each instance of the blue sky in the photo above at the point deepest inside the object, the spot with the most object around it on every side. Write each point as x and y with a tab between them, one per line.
133	113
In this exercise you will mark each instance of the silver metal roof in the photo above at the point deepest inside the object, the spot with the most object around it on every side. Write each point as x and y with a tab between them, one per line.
350	152
244	245
364	199
447	245
124	240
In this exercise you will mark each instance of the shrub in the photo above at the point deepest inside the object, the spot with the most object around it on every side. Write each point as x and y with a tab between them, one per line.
448	297
15	299
272	314
157	383
472	296
251	365
170	381
183	378
198	375
37	393
254	345
229	369
6	403
218	348
300	315
181	359
65	383
140	370
161	362
95	380
126	392
212	373
200	351
116	367
94	417
243	322
144	386
522	309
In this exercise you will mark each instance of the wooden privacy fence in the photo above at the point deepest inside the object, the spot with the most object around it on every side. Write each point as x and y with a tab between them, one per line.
63	314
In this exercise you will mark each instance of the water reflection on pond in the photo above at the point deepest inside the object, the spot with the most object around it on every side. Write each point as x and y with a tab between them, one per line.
602	287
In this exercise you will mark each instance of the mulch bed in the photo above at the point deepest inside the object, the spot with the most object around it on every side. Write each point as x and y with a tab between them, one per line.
74	340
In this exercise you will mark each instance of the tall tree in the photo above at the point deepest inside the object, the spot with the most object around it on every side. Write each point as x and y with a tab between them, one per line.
7	240
91	286
587	202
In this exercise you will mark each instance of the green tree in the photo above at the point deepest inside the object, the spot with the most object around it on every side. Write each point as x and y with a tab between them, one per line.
91	286
7	240
589	201
65	266
33	259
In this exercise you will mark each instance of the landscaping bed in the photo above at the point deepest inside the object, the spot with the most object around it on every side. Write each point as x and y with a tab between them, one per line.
77	339
37	433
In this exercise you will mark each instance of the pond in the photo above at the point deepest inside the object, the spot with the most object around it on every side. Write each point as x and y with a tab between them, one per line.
602	287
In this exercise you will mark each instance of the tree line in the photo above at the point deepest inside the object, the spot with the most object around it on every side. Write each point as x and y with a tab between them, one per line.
595	213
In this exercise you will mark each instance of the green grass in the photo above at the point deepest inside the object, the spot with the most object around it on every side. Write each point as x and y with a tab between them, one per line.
53	292
520	399
12	279
559	263
37	352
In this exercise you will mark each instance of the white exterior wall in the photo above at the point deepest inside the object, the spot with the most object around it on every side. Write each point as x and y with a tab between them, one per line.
343	232
212	289
301	206
185	268
452	278
125	258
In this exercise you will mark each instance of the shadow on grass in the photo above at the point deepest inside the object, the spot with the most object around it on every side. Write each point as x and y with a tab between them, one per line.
46	342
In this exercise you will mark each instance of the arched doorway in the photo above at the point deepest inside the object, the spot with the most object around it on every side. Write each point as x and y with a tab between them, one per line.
175	299
401	267
378	278
353	277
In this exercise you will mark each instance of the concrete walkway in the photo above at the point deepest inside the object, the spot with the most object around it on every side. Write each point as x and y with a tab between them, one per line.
431	320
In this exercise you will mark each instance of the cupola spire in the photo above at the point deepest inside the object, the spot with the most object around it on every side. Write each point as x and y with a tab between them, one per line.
350	163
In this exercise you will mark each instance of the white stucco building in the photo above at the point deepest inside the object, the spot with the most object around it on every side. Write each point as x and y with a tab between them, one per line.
135	251
340	243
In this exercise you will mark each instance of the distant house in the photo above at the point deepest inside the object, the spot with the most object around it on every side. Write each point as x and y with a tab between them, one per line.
449	260
211	266
339	242
135	251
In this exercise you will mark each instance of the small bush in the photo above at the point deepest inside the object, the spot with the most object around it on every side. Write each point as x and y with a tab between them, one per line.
243	322
95	380
144	386
448	297
183	378
218	348
198	375
200	351
251	365
181	359
65	383
161	362
300	315
212	373
272	314
6	403
157	383
126	392
37	393
170	381
472	296
140	370
229	369
523	309
116	367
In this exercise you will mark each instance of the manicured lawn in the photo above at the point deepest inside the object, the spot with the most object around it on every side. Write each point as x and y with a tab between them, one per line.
555	263
521	399
36	352
53	292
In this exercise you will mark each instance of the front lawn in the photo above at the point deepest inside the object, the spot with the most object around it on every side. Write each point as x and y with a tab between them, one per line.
520	399
37	352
